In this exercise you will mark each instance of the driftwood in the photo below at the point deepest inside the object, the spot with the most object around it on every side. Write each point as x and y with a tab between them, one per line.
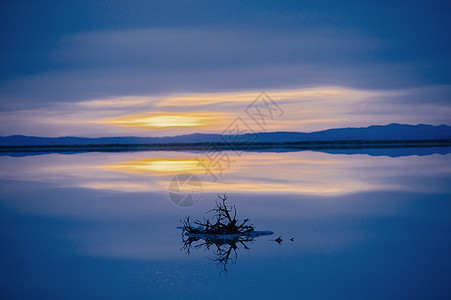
224	222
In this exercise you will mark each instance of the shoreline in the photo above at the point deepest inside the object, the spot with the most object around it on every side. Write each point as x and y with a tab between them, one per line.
220	146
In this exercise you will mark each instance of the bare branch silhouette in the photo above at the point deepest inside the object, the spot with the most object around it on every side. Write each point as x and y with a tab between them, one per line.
222	224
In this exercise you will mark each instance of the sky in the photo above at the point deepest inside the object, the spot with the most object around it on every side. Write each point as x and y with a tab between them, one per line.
163	68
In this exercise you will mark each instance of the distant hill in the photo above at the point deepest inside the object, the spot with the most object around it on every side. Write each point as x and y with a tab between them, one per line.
375	132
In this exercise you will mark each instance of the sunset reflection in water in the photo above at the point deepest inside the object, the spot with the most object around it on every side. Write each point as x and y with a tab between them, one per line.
304	172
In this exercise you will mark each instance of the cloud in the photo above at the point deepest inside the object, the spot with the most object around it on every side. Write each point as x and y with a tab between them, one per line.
161	120
116	63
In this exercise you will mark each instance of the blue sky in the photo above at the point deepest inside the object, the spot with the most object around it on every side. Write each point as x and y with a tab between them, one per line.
56	57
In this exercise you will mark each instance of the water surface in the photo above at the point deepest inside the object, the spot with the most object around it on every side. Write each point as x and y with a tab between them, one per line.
93	225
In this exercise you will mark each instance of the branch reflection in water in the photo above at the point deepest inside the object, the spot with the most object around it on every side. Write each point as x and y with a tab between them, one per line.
222	236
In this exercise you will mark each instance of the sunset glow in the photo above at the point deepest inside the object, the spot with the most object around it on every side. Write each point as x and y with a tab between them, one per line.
165	120
305	110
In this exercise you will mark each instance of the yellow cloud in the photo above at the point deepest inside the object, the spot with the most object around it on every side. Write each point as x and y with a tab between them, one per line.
159	120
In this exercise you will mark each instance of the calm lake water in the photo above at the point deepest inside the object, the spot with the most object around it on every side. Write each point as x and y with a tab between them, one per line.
101	225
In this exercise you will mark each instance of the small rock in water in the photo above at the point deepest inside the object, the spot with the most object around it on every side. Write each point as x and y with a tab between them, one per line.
278	240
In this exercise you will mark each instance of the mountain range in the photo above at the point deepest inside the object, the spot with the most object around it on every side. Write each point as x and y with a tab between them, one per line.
372	133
